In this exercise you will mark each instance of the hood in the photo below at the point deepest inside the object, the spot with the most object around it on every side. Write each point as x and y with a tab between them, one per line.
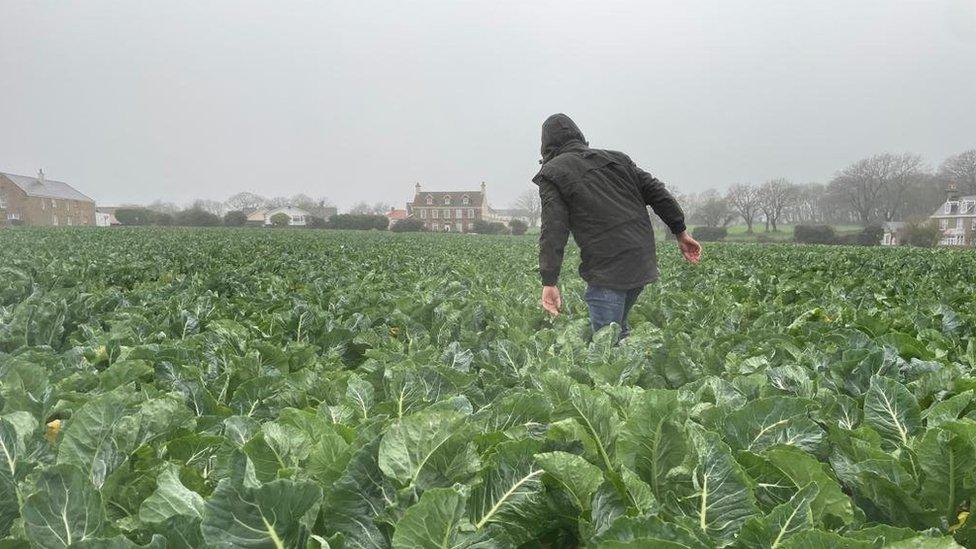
558	131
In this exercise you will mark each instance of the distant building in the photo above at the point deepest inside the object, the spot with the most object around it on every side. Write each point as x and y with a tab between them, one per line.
105	217
894	234
956	218
395	215
449	211
297	217
40	201
507	215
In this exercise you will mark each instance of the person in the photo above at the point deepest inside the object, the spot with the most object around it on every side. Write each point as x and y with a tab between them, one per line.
601	197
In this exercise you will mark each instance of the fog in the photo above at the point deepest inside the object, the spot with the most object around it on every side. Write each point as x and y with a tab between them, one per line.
137	101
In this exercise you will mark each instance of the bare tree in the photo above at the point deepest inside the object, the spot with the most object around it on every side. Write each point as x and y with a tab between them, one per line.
302	200
380	208
163	207
961	170
246	202
713	210
215	207
360	208
530	202
278	202
876	187
775	196
746	201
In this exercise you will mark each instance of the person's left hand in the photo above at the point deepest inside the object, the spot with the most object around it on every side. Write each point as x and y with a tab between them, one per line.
690	248
552	300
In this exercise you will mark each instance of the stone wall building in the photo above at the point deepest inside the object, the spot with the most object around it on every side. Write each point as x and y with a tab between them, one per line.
39	201
449	211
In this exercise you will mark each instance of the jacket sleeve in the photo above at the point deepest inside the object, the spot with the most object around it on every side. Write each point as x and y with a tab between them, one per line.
660	200
555	231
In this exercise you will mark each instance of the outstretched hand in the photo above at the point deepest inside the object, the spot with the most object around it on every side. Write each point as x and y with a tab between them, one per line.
552	300
690	248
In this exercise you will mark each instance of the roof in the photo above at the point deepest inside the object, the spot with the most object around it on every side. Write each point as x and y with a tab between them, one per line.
46	189
956	207
475	198
290	210
396	215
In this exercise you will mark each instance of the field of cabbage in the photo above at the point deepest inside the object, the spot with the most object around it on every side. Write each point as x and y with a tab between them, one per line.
291	389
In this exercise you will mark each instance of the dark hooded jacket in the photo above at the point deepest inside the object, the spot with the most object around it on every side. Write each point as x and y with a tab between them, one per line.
602	198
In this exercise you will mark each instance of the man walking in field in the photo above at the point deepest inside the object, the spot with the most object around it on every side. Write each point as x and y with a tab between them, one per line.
602	198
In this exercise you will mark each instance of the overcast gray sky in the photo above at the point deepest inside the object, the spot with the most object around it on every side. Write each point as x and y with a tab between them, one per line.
356	100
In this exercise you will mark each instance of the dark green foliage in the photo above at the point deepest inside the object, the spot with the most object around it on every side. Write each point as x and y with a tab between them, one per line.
235	218
280	219
518	227
814	234
316	222
408	225
489	227
196	217
135	216
922	235
709	234
360	222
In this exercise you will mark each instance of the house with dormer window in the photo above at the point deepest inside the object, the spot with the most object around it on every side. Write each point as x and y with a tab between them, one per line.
450	211
956	218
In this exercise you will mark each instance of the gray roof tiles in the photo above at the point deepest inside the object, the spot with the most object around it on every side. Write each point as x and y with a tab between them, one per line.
48	189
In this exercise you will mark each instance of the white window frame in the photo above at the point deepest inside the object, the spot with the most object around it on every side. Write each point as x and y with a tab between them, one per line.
465	200
433	214
447	200
959	223
948	207
430	200
423	214
3	201
470	212
943	224
458	213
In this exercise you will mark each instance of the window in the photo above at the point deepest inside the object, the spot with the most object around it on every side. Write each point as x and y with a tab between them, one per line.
423	214
447	214
887	239
447	200
3	202
54	220
959	223
435	226
13	216
944	224
43	205
470	226
460	227
974	224
430	201
433	213
465	200
470	212
53	204
457	213
296	218
948	207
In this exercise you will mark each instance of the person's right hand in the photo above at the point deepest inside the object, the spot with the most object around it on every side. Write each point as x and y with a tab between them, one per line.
552	300
690	248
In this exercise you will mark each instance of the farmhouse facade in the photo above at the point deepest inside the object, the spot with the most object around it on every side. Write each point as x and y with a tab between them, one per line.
39	201
956	218
297	217
449	211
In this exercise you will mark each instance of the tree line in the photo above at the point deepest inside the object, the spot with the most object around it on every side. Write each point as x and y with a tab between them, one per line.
883	187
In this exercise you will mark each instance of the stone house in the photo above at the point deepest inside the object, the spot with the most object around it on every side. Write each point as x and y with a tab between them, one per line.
449	211
39	201
956	218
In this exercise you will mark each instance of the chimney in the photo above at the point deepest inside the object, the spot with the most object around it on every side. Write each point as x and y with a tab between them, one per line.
482	187
951	192
40	176
417	186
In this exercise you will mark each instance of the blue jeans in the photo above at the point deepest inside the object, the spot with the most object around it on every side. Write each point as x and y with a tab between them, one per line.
608	305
